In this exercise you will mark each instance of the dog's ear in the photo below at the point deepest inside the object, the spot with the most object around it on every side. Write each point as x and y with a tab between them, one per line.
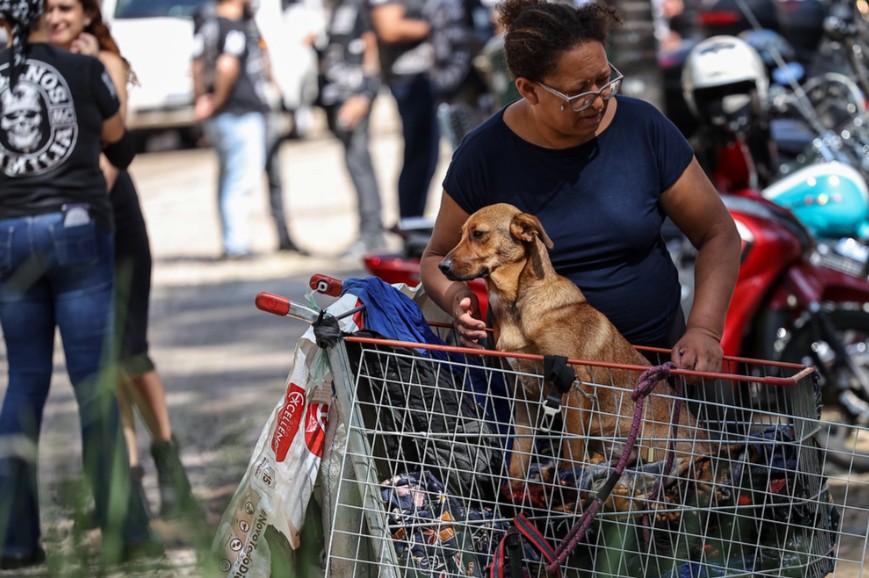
525	227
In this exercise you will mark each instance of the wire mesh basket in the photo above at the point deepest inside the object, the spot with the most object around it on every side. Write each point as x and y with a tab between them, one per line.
755	500
741	486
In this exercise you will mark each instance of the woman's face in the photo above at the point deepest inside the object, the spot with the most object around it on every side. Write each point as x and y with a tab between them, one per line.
66	20
582	69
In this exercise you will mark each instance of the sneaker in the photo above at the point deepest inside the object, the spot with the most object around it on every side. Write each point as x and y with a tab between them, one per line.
365	246
246	256
18	561
375	243
288	246
355	251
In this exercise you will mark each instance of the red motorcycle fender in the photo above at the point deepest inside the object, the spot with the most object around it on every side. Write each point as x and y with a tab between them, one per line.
814	284
746	300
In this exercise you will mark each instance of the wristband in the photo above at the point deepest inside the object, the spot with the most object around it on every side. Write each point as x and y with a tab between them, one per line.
370	86
121	153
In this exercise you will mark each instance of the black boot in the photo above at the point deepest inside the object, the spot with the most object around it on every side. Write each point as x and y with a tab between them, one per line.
176	497
136	475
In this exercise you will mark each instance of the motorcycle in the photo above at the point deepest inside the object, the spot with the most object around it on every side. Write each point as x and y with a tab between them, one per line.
818	36
792	302
738	108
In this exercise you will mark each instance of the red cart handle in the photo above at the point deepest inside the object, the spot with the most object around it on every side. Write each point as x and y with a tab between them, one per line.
326	285
271	303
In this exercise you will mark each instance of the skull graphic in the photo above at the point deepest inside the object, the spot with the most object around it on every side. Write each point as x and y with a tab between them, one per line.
21	117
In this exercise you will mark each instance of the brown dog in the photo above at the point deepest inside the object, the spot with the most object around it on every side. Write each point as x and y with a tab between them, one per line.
537	311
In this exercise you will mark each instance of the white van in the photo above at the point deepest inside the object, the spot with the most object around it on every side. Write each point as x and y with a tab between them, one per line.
156	37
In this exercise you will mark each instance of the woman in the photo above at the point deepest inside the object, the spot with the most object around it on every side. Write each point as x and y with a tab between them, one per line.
58	111
601	172
77	25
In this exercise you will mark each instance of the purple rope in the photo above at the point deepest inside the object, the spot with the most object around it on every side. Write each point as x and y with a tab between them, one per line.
647	382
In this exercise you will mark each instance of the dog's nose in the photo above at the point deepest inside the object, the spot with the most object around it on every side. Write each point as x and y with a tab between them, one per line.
445	266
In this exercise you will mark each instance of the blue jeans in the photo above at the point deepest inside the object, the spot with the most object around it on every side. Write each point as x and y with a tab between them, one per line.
55	276
415	100
239	140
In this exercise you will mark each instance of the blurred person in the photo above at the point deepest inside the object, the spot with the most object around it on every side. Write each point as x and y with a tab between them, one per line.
274	140
230	86
493	65
405	58
58	272
350	82
274	135
459	30
77	25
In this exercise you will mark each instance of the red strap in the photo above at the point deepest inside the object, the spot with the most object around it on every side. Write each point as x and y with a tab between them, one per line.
496	568
534	537
538	540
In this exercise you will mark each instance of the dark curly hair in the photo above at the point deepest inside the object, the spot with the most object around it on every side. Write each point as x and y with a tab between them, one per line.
538	32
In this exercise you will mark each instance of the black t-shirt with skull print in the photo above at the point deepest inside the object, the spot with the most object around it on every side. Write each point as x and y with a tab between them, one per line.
50	127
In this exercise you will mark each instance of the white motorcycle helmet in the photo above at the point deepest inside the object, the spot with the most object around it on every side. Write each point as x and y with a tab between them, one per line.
724	81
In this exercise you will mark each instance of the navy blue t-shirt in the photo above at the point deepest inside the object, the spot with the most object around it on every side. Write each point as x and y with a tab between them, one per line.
598	202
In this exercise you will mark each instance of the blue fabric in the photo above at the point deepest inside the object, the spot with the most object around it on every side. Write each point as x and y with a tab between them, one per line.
55	276
240	144
598	202
394	315
420	507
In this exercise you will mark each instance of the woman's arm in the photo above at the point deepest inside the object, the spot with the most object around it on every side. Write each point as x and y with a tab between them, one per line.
358	106
454	297
696	208
120	73
391	25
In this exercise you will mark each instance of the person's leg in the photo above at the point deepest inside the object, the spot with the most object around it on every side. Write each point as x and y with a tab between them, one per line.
83	281
140	386
214	130
133	266
419	126
128	423
357	159
27	318
242	142
132	290
275	182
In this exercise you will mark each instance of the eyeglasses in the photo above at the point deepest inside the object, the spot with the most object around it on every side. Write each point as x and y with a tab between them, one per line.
583	100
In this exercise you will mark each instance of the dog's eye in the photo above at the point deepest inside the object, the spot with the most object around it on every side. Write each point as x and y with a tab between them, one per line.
476	234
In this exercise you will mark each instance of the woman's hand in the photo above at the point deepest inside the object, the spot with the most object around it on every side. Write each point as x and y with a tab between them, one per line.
469	329
85	43
698	350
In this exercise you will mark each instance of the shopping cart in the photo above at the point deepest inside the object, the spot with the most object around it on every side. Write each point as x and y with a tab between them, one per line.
419	484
